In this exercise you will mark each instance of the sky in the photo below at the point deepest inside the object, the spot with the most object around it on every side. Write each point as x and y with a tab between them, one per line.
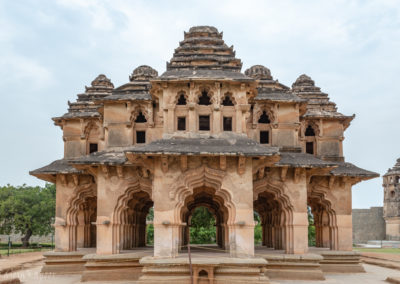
49	51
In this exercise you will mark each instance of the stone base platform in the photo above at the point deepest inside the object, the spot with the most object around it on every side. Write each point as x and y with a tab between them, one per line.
65	262
214	270
294	267
117	267
341	262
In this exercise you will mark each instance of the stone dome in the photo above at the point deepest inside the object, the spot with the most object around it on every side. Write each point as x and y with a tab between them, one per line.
143	73
303	80
259	72
203	29
102	81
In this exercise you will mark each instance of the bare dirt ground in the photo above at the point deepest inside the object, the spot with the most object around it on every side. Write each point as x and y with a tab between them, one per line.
17	261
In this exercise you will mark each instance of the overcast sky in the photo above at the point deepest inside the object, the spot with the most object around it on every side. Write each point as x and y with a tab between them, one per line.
49	50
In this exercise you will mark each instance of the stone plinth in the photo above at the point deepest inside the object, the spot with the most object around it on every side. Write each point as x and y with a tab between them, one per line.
215	270
341	262
117	267
64	262
294	267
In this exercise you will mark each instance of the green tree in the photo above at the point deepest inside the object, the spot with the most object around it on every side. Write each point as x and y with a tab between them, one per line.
202	228
27	210
257	229
150	227
311	228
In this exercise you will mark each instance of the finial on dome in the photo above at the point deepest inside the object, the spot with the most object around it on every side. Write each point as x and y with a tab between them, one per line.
102	81
259	72
143	73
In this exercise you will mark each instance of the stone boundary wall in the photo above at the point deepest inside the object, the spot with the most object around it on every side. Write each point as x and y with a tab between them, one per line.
368	224
16	238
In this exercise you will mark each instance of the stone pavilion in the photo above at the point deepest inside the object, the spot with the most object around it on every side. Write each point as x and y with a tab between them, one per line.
203	133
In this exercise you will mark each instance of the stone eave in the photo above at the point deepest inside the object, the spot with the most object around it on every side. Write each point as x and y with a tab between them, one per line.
50	171
228	145
107	157
303	160
392	172
202	74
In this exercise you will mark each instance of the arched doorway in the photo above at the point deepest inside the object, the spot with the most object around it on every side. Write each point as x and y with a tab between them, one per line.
324	219
130	220
81	219
275	216
204	200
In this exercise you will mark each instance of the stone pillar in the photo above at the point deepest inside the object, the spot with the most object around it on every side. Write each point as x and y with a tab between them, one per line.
62	229
239	122
192	119
239	184
171	119
166	231
216	121
343	217
295	186
105	205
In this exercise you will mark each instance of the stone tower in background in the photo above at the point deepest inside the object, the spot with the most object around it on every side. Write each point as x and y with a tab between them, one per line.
391	202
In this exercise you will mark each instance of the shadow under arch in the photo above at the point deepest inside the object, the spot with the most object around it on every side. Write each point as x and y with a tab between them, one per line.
81	205
129	216
276	213
326	229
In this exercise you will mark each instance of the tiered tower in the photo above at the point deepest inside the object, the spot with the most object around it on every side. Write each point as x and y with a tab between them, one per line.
391	202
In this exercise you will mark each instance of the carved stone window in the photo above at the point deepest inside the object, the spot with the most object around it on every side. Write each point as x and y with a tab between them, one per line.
310	131
227	101
181	123
93	148
204	122
204	99
397	179
392	194
227	123
264	137
140	137
140	118
310	148
181	100
264	118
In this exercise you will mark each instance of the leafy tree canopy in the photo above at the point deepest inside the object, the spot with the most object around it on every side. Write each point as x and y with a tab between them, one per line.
27	210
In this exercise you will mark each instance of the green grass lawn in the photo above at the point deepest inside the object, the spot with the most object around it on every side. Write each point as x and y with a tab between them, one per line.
21	250
380	250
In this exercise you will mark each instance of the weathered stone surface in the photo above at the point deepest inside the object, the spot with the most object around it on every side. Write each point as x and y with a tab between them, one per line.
364	220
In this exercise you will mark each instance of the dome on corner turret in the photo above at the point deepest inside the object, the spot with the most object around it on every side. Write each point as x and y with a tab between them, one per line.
143	73
101	81
259	72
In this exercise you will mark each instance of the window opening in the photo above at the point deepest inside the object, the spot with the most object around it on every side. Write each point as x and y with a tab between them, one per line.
310	148
92	148
264	137
181	123
310	131
227	101
227	123
140	118
204	122
181	100
264	118
204	99
140	137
